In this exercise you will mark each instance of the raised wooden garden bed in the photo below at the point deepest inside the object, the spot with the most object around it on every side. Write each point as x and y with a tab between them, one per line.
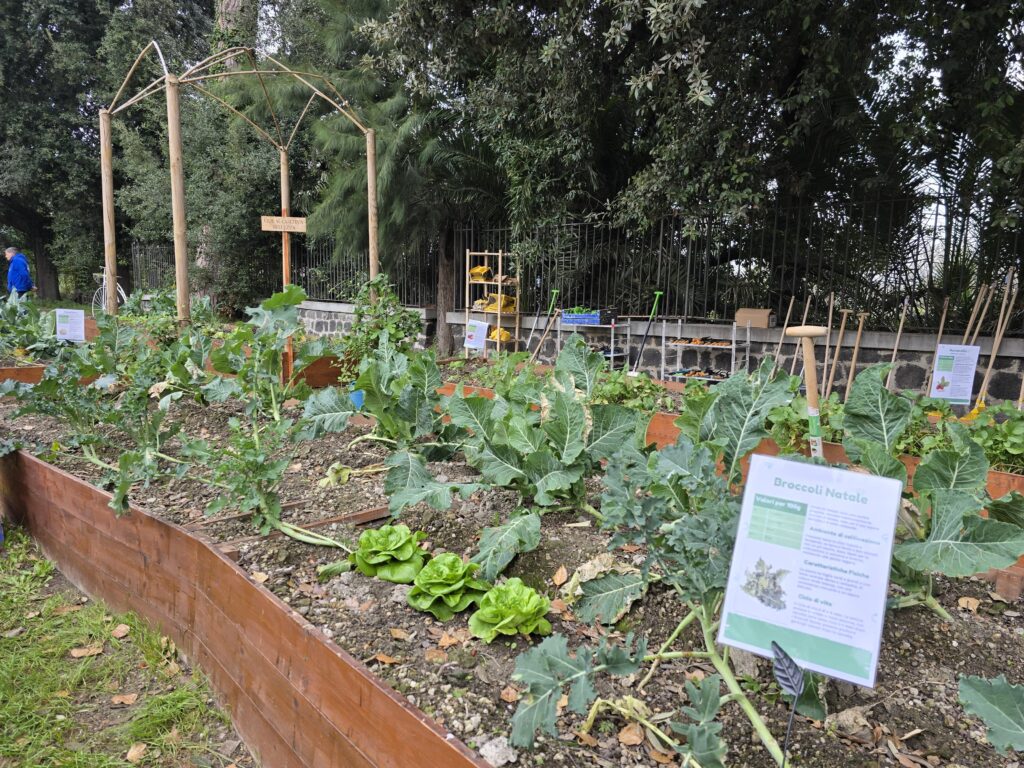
296	698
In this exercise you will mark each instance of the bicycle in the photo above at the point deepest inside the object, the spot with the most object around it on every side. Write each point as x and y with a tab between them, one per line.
99	299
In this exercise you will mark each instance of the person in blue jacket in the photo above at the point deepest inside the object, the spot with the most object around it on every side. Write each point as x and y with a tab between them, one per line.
18	278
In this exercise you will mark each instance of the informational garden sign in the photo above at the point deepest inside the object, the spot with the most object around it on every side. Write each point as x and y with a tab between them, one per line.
70	324
953	376
476	335
810	570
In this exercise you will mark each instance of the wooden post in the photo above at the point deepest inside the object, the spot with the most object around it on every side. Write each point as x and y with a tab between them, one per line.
371	199
938	341
844	314
178	198
896	347
107	195
286	254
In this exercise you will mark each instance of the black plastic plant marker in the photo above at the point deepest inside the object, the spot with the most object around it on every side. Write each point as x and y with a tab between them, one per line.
790	678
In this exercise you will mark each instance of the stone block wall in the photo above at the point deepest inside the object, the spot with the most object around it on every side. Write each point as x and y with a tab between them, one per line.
913	361
329	318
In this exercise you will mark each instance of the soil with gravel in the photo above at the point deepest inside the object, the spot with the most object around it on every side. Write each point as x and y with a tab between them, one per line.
911	717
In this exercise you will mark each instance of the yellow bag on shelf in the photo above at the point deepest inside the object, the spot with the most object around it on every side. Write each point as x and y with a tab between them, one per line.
479	273
500	334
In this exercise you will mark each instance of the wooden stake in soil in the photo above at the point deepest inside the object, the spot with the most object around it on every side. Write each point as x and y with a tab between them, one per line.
178	199
806	334
796	345
844	314
974	312
371	199
109	232
938	341
984	311
896	346
828	337
1005	311
862	316
782	336
286	254
547	329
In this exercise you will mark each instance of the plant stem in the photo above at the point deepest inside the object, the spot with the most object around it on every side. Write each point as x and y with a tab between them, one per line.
592	512
371	436
687	620
306	536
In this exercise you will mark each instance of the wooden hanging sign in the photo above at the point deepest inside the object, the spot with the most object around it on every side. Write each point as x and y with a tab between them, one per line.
283	223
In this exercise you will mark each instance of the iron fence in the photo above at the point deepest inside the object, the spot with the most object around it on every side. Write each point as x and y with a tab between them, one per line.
152	266
872	256
327	274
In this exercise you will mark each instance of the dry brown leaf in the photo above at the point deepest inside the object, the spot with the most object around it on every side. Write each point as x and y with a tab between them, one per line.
631	735
260	577
435	656
659	757
399	634
121	631
171	668
135	752
31	614
997	597
511	695
586	738
364	607
383	658
88	650
557	606
969	603
454	638
561	576
60	610
911	734
695	675
630	548
562	703
124	699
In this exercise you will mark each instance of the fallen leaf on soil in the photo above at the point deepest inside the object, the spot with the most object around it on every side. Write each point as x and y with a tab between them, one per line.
435	656
563	702
586	738
364	607
383	658
561	576
60	610
31	614
851	722
135	752
399	634
997	597
259	577
695	675
171	668
630	548
291	402
88	650
124	699
557	606
911	734
454	638
14	632
121	631
969	603
511	695
659	757
631	735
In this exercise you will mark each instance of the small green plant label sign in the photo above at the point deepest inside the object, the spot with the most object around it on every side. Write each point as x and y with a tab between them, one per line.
953	376
810	569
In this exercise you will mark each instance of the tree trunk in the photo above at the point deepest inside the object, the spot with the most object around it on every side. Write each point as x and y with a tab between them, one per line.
445	294
45	277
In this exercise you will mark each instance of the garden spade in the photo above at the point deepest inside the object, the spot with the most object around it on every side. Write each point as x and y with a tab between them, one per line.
807	334
650	322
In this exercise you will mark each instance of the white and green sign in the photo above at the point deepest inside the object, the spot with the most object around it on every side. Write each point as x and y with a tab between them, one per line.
953	375
70	324
810	570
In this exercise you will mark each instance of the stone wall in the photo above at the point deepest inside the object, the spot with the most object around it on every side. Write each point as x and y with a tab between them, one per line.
330	318
912	363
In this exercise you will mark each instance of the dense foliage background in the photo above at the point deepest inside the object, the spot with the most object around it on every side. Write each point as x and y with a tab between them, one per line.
529	113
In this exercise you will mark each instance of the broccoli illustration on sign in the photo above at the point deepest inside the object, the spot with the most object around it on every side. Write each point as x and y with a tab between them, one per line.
765	585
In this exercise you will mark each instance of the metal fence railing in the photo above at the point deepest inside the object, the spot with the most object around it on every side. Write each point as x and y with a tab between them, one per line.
870	255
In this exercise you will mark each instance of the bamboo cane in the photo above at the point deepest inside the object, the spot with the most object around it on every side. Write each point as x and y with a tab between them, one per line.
1004	320
796	344
844	314
862	316
547	329
981	316
828	337
782	336
896	346
938	341
974	313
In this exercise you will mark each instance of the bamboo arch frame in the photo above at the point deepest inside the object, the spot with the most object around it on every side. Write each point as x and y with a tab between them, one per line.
198	76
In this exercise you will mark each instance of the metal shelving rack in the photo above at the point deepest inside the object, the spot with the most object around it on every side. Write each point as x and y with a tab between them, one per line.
735	346
484	258
614	357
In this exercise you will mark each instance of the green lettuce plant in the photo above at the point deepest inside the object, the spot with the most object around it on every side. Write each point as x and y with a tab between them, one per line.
446	586
511	608
391	553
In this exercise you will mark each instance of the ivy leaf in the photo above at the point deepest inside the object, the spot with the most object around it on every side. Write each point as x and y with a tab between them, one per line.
962	467
960	542
736	418
545	670
874	414
328	410
498	545
408	482
607	598
999	705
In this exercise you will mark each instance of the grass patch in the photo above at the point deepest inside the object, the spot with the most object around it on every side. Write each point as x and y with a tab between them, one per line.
58	710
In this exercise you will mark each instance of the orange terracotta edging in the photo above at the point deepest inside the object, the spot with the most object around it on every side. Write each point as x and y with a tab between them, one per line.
297	699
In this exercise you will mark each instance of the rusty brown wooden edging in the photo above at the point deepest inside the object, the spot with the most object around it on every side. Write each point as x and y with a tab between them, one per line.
296	698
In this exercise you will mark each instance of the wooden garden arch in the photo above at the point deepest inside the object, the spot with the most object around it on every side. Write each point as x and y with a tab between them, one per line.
319	87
